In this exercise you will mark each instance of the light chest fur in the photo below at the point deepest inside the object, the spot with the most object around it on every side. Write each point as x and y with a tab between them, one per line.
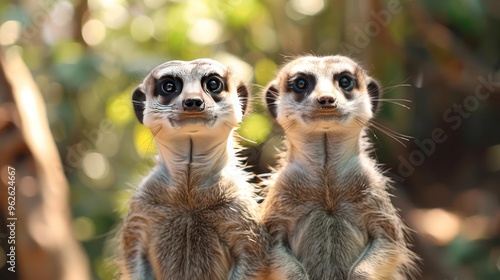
199	230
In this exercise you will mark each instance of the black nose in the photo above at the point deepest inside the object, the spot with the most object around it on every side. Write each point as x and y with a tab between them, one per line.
326	102
193	104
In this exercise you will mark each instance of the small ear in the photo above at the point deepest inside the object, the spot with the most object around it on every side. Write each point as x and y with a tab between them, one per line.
138	101
374	92
271	96
243	96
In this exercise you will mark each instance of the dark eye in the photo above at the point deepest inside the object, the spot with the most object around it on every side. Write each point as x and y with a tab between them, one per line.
170	86
346	83
299	85
214	85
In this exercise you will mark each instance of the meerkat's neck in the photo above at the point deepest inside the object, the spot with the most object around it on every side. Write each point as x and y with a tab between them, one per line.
326	150
202	155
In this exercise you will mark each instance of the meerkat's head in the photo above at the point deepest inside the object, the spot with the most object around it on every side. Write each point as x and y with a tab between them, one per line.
192	97
321	94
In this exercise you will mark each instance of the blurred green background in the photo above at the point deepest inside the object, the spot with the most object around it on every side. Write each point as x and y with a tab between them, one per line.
88	56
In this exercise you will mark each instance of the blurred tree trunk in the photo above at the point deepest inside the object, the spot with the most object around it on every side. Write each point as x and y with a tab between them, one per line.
45	246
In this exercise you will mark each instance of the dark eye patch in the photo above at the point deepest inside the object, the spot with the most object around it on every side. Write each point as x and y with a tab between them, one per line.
214	85
301	85
347	82
167	88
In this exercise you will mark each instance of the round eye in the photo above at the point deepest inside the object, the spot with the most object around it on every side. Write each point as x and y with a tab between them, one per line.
170	86
346	83
214	85
299	85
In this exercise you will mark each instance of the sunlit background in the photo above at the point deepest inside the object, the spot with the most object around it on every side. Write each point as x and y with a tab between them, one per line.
88	56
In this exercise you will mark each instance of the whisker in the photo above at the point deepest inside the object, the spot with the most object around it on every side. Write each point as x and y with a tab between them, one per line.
401	135
374	135
269	142
395	101
390	133
272	98
288	126
249	97
392	136
236	134
258	86
389	88
404	83
230	125
372	132
150	140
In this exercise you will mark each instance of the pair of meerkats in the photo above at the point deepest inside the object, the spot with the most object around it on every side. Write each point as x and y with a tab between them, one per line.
327	212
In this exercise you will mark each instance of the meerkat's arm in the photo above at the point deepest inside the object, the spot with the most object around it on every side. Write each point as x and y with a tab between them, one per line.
250	260
377	261
243	269
134	249
382	255
283	263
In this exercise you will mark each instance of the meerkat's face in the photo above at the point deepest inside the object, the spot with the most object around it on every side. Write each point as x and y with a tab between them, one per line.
190	96
330	93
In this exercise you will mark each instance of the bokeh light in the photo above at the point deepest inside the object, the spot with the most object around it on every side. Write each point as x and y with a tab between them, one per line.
441	225
144	141
62	13
115	16
205	31
83	228
95	165
142	28
308	7
118	109
93	32
255	129
9	32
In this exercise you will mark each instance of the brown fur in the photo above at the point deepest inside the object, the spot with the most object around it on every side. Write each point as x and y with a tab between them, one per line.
328	208
194	216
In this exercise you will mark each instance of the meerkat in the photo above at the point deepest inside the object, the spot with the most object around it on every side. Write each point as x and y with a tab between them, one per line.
328	208
194	216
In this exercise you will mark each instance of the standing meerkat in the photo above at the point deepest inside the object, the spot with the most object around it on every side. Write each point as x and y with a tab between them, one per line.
328	208
194	216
